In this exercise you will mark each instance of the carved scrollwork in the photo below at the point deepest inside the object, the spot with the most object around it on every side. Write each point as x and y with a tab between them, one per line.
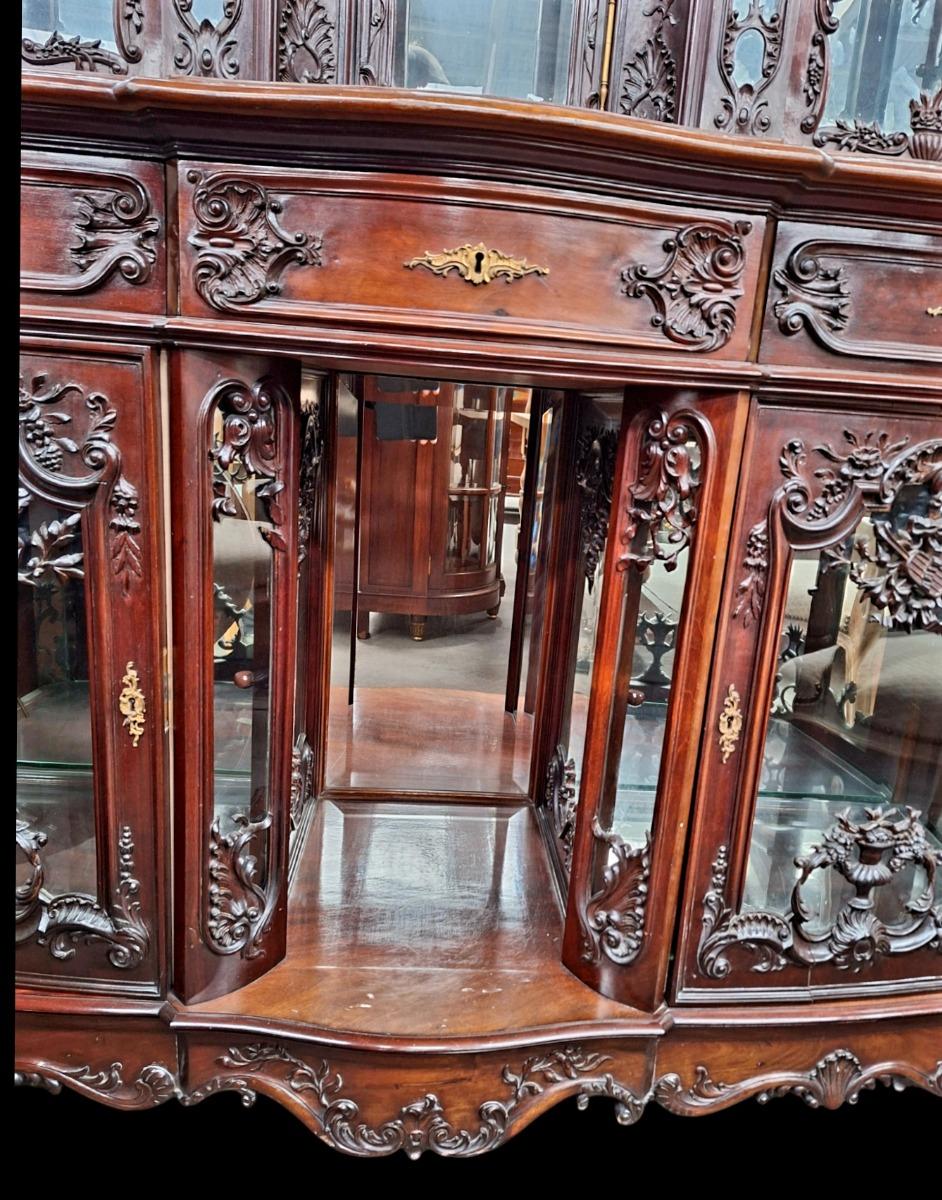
662	501
58	49
813	296
377	35
302	779
562	801
422	1125
247	448
154	1084
867	854
745	107
128	27
649	78
595	474
240	909
62	921
207	49
306	43
613	921
44	443
835	1079
116	233
924	141
695	292
241	249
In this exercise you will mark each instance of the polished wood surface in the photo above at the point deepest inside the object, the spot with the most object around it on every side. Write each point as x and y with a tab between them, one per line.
421	920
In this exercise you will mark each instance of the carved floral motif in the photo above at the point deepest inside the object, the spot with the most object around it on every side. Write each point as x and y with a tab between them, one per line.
923	142
43	446
306	43
745	107
867	854
83	55
595	473
662	508
694	293
613	921
241	249
128	27
207	49
813	296
816	69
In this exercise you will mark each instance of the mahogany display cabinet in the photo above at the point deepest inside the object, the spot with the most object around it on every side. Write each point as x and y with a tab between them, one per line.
664	825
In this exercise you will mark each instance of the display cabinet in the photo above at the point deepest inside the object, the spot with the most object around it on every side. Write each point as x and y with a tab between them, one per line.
653	810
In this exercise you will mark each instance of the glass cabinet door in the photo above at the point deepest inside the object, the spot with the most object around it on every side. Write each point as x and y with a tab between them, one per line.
651	538
821	872
236	602
90	727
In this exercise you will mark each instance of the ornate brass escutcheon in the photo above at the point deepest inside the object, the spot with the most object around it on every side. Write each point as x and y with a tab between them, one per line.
476	264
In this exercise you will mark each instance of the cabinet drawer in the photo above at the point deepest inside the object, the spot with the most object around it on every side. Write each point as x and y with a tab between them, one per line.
93	233
394	251
859	293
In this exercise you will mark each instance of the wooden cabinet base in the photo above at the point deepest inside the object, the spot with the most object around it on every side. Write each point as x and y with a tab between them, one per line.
465	1098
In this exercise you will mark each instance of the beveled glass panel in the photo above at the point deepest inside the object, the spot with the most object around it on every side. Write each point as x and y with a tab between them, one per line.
513	48
242	583
856	721
55	794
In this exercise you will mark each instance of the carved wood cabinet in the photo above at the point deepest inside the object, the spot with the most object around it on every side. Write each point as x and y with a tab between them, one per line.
658	816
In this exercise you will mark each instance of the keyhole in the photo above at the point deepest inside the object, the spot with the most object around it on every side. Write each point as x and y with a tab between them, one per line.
478	263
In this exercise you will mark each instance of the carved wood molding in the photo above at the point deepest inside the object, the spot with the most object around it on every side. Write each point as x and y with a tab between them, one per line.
207	49
240	908
241	249
375	66
307	43
312	453
902	574
923	141
836	1078
817	299
46	423
586	29
116	233
562	801
58	50
817	69
302	779
64	920
649	77
595	477
745	108
423	1125
128	21
867	853
154	1084
662	501
694	292
613	917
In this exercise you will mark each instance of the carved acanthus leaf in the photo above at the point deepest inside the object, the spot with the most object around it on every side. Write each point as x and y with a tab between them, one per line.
694	293
241	249
813	296
614	916
562	801
240	908
116	232
649	80
306	43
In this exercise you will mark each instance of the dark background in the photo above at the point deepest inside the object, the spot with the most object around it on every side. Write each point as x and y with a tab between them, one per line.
783	1143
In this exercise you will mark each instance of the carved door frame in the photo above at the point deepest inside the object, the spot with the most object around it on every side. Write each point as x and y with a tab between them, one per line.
802	490
89	420
618	939
230	918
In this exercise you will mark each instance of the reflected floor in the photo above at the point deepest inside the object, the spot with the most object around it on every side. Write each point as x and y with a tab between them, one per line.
428	740
425	920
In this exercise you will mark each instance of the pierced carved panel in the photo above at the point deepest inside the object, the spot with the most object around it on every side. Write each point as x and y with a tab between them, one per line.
745	107
207	49
562	801
307	42
595	475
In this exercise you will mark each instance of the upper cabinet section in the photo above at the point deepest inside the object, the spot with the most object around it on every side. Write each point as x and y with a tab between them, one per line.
93	233
856	76
359	249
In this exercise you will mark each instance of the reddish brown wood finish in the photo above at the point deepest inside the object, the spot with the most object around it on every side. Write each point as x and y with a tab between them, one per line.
123	585
201	968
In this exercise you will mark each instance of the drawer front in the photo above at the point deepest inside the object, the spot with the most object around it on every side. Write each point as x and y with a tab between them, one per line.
865	294
395	251
93	233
